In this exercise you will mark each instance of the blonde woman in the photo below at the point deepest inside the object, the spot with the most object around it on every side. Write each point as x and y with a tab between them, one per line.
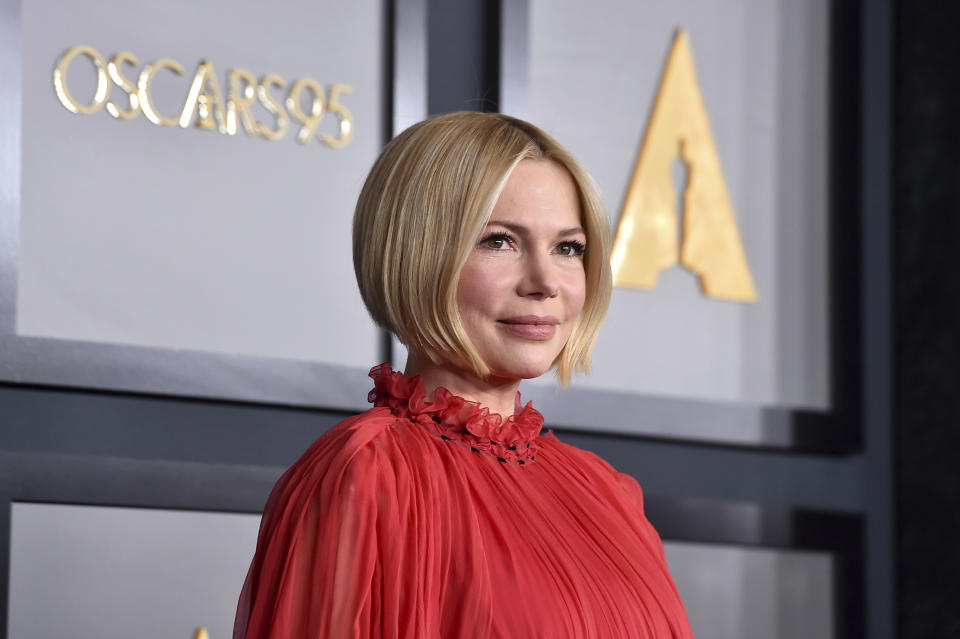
443	511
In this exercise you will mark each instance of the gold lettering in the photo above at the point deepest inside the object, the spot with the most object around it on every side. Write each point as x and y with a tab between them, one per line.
60	80
311	121
274	107
144	84
647	234
205	105
346	118
114	68
238	102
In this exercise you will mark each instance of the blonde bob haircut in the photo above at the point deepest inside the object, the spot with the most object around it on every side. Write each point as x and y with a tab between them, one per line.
422	210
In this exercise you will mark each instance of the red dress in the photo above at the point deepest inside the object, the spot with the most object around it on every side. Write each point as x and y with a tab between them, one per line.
426	520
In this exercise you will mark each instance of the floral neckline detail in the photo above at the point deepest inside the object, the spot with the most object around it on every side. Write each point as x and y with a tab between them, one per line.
454	418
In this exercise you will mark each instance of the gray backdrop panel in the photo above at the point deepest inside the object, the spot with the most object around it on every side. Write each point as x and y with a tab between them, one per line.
135	257
592	71
89	571
132	233
753	593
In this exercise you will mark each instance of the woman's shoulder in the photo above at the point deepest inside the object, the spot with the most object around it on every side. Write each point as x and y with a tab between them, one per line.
358	430
590	467
352	462
553	447
325	524
357	440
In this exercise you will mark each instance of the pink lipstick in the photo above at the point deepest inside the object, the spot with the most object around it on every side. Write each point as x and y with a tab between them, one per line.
537	328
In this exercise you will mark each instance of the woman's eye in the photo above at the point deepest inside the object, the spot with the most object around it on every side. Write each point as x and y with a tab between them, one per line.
571	249
496	242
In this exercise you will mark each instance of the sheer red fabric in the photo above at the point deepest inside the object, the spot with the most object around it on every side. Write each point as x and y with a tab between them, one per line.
429	519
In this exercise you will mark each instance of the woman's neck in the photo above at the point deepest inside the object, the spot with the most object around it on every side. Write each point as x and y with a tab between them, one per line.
498	394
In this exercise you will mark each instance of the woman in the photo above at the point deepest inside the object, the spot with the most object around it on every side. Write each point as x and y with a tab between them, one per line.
443	512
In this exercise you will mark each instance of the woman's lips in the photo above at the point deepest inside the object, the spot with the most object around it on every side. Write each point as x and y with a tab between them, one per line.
531	327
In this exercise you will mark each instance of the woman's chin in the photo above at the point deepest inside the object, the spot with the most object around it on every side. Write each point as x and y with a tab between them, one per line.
521	370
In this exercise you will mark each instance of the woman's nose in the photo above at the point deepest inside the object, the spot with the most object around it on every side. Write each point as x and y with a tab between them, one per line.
539	278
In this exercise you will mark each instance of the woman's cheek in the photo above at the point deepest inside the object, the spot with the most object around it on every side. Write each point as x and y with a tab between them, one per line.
576	293
471	283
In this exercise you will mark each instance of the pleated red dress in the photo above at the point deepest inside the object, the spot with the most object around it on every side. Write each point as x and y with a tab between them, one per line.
426	520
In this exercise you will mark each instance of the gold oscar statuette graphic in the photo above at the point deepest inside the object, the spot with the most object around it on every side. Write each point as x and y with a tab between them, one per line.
201	633
708	242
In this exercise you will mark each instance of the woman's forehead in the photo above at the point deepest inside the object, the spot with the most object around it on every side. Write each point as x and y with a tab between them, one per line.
539	193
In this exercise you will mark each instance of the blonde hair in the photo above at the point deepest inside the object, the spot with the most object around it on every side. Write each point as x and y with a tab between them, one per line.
421	211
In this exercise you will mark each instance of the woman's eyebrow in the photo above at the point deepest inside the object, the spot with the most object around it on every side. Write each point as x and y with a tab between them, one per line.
519	229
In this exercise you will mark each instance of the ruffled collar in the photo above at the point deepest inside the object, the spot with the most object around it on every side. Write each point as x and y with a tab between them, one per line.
454	418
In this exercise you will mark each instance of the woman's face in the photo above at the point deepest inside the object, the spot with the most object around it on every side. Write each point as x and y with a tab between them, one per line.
523	285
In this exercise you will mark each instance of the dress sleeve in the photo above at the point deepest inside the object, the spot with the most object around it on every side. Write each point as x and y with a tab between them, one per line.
334	557
632	488
635	493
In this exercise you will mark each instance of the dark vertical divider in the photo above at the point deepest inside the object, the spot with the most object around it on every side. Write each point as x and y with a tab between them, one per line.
388	77
461	43
845	216
492	23
4	559
843	535
876	302
926	187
